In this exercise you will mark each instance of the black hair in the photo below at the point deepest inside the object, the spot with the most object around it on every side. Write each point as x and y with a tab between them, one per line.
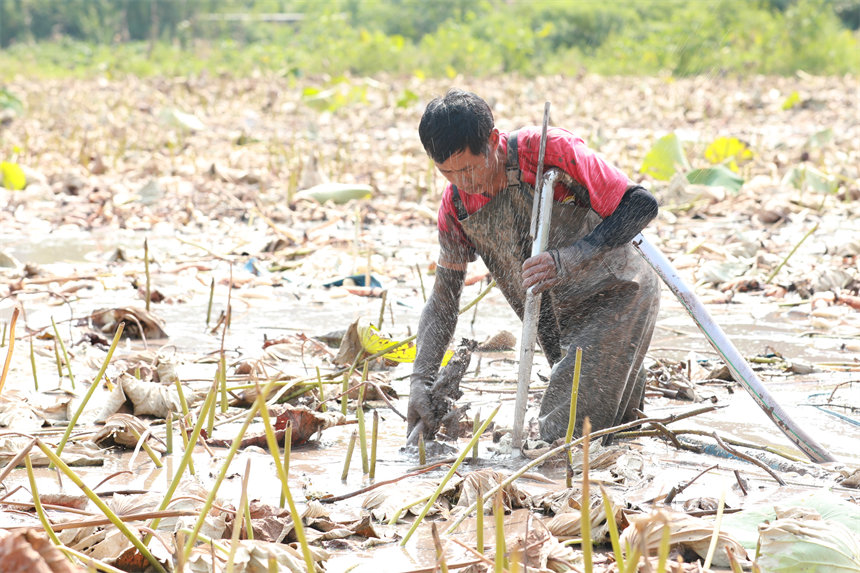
455	122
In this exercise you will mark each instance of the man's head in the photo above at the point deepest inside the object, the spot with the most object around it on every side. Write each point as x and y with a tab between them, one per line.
458	121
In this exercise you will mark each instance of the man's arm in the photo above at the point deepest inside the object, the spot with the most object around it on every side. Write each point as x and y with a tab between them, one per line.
636	209
435	331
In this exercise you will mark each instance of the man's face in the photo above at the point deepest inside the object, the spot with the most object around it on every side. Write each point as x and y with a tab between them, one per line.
472	174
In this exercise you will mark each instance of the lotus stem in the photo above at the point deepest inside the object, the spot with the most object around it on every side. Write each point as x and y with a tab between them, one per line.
272	442
146	272
92	563
249	526
613	529
91	389
479	522
210	418
8	361
362	433
186	457
571	421
146	447
774	272
58	361
440	554
37	501
716	535
349	449
499	516
382	310
448	476
211	297
168	423
288	446
422	450
32	365
585	521
663	550
476	423
374	434
345	390
65	353
421	282
239	516
321	390
116	521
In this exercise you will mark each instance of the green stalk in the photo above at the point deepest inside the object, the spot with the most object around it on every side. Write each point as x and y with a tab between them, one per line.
448	476
33	365
717	521
8	360
321	390
613	529
272	442
421	281
422	450
374	434
211	296
382	310
476	423
186	458
663	550
362	434
222	379
344	391
117	522
147	448
349	450
479	522
288	446
37	502
249	526
168	423
93	564
788	256
585	520
146	272
237	519
210	418
499	515
58	361
91	390
571	421
65	353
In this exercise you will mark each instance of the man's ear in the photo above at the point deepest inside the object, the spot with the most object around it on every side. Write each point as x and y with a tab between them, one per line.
493	141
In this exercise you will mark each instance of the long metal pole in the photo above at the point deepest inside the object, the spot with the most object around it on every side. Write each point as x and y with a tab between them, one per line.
738	366
539	234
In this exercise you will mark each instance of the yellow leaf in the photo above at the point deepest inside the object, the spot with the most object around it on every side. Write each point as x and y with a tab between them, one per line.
12	176
372	343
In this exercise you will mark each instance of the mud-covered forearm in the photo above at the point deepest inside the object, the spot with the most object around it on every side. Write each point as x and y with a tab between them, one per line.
438	322
636	209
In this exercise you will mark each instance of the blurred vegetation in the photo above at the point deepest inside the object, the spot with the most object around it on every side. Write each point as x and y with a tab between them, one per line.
428	37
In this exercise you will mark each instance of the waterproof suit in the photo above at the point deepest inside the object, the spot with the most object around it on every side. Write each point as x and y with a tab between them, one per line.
608	309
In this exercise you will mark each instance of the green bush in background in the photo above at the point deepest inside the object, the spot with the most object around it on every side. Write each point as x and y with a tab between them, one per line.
430	37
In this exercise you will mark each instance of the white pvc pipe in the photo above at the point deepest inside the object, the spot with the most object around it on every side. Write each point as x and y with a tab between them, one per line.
738	366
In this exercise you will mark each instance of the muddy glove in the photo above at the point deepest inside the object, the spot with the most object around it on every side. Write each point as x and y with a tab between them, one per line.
435	332
549	268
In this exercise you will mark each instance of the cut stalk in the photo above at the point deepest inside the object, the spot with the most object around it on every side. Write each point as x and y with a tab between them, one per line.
716	535
11	348
211	297
448	476
422	450
146	272
476	423
168	423
362	434
288	446
440	554
33	366
222	380
237	519
381	310
91	390
146	447
613	529
775	271
479	523
344	391
37	502
374	434
349	450
421	282
571	421
499	516
585	520
321	390
663	550
59	362
186	458
65	353
116	521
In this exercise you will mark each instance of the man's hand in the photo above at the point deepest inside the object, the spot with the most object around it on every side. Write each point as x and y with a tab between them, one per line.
420	409
549	268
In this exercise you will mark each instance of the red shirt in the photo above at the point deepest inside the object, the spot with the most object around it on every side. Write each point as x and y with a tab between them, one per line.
606	185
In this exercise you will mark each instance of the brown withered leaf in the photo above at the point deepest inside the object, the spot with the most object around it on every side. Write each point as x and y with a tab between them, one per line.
485	479
29	551
106	320
305	424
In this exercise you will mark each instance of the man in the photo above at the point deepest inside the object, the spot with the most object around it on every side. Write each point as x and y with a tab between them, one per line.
598	294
